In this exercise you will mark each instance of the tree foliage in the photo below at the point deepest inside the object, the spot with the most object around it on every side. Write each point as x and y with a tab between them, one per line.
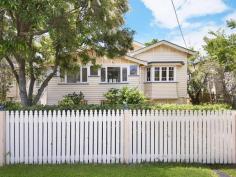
40	36
6	80
199	68
221	48
153	41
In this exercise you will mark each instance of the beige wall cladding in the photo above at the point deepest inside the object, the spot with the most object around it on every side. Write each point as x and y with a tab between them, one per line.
162	53
94	91
161	90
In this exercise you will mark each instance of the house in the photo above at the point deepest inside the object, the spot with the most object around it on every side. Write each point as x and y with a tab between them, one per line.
159	71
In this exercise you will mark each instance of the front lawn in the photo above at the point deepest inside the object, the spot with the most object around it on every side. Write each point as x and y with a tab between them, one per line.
229	170
141	170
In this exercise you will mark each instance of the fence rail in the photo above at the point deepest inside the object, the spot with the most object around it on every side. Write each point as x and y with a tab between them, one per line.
39	137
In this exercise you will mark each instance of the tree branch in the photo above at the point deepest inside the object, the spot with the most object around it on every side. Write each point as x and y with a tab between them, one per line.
12	68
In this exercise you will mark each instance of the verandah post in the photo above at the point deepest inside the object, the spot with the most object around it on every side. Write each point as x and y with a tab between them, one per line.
2	137
126	128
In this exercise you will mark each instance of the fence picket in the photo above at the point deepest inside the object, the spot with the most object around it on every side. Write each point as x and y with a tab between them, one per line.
95	134
40	138
77	134
7	137
21	137
152	136
98	136
35	136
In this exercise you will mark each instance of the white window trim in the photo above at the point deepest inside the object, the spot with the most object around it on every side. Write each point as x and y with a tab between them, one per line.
160	70
65	77
121	75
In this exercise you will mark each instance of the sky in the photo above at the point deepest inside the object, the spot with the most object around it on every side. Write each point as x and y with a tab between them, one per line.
156	19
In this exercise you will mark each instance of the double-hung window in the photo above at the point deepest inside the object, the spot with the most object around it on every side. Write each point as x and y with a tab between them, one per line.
157	74
114	74
148	74
171	73
163	74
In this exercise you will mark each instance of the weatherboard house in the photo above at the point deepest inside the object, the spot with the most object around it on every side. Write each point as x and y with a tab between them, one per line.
159	71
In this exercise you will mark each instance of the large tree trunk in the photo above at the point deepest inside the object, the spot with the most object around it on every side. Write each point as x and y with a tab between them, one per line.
22	85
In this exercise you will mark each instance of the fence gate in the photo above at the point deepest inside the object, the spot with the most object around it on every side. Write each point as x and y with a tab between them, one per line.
40	137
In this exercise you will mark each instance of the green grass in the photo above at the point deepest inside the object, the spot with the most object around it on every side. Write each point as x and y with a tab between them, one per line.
141	170
229	170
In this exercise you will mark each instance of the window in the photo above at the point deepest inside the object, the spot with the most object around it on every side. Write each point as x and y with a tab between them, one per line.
157	74
103	74
124	74
148	74
163	74
133	70
93	71
84	75
80	76
113	74
171	73
73	77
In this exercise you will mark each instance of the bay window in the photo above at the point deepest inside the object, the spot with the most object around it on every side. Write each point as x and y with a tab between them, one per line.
160	74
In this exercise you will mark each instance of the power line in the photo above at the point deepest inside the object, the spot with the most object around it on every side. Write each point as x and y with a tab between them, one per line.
180	29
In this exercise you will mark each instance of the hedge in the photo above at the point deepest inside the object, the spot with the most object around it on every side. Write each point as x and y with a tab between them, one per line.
18	106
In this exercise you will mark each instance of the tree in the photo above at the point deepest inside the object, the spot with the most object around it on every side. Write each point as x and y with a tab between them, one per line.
153	41
222	49
231	24
38	37
199	68
6	80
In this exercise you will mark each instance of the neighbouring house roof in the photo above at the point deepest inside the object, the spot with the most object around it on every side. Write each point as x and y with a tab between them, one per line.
170	44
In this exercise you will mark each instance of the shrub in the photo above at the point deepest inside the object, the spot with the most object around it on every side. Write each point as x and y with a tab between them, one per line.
71	100
112	96
125	95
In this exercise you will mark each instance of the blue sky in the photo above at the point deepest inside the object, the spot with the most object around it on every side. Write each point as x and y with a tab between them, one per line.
156	19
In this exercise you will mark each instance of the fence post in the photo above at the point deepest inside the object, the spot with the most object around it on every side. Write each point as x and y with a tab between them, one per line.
2	137
127	119
234	113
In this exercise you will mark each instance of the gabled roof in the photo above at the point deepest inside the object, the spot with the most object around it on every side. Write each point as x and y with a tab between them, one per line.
170	44
136	60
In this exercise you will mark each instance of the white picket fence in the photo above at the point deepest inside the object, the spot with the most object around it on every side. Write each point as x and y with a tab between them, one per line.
40	137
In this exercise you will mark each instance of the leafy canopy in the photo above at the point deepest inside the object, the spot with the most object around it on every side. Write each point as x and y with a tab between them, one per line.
41	36
153	41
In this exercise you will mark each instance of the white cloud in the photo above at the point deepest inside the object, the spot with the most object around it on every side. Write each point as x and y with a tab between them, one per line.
163	12
194	37
231	16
